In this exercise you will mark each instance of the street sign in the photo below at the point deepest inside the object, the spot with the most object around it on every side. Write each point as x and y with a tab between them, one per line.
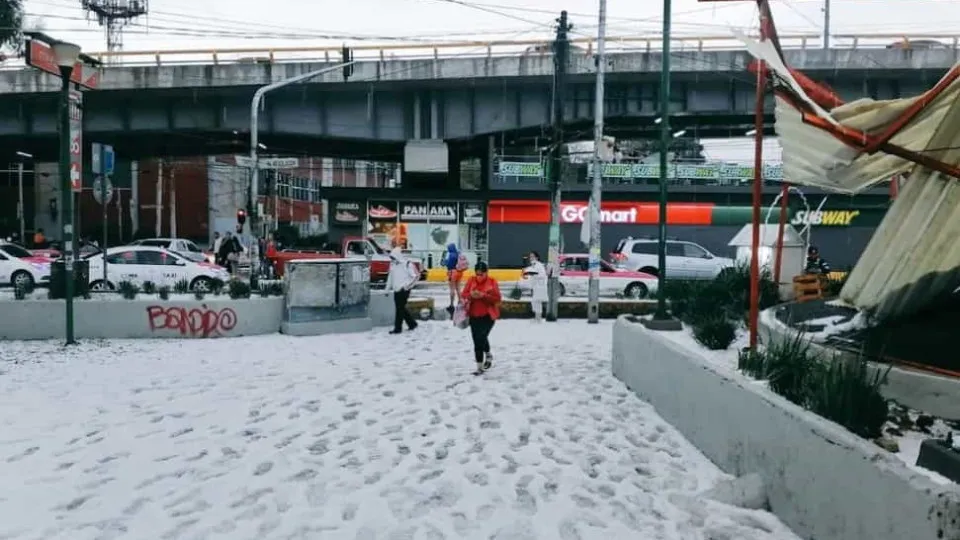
40	55
76	141
108	159
268	163
98	190
96	150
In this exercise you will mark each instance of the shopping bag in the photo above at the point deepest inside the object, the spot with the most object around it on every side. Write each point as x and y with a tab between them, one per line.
460	319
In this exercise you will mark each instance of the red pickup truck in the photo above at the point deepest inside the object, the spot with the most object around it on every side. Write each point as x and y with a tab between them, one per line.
352	247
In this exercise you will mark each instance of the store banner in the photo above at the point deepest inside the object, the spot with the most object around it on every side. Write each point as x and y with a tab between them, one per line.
434	212
347	212
473	213
382	211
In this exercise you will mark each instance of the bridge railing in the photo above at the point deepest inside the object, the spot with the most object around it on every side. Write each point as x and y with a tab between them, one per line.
533	47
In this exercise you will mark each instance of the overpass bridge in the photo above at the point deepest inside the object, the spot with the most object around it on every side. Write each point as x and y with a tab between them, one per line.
197	102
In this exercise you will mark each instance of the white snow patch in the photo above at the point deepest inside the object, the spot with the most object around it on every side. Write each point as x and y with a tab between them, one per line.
348	437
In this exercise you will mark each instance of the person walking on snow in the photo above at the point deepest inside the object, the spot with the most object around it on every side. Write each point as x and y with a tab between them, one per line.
482	298
537	274
456	264
400	281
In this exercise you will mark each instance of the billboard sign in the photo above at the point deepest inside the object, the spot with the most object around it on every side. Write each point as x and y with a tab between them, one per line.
76	140
40	55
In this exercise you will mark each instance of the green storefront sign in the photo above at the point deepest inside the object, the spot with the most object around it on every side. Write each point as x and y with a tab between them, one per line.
719	172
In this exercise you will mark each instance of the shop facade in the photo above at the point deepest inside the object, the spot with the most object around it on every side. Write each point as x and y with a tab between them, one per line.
518	226
423	229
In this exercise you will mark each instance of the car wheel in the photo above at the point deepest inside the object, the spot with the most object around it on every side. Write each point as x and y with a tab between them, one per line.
101	285
21	279
636	290
202	284
649	270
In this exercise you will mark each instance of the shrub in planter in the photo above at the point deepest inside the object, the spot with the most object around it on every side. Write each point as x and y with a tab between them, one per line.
181	287
844	391
788	365
164	292
149	287
199	295
275	289
680	294
515	292
710	300
20	293
128	290
715	333
263	292
752	362
238	289
217	288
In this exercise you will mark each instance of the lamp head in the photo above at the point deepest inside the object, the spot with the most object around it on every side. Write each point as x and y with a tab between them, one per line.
66	53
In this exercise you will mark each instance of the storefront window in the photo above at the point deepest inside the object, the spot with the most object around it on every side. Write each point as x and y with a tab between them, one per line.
424	229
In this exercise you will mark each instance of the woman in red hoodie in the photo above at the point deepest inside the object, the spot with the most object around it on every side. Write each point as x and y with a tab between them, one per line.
481	296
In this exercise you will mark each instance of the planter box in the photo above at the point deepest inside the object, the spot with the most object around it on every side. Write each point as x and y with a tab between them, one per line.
936	456
520	309
142	318
822	481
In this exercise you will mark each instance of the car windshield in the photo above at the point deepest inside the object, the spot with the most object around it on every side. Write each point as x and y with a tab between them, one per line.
376	246
193	247
16	251
153	243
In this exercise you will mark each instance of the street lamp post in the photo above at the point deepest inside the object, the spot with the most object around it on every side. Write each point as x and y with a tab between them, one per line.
66	55
21	208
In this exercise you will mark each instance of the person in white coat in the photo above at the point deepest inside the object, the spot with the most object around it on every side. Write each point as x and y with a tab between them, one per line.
401	279
537	274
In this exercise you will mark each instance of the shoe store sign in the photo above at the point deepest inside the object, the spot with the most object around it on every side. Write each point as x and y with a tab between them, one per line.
433	212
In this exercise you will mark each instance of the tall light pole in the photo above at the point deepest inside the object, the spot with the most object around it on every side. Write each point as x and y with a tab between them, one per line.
593	292
254	195
665	138
66	55
561	47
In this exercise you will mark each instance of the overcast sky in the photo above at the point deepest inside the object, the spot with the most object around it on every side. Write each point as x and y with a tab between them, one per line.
191	24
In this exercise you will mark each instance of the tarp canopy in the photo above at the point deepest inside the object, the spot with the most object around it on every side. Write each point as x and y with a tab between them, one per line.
913	259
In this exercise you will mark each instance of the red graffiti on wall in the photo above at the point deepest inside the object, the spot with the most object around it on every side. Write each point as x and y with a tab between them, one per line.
199	322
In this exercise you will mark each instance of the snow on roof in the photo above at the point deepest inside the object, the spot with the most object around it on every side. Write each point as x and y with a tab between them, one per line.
768	236
913	259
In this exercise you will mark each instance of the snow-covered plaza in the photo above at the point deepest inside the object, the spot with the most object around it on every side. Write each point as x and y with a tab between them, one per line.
360	436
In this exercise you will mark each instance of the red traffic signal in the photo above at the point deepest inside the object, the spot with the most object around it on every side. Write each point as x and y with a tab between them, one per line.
241	217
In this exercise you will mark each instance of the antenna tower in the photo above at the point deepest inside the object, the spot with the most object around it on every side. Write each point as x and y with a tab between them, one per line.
113	15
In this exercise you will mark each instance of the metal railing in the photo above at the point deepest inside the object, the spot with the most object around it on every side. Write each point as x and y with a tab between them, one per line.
532	47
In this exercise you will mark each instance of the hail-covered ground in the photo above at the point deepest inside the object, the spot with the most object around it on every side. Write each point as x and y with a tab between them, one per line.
362	436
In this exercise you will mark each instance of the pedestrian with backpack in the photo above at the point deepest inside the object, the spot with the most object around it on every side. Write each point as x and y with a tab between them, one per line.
481	298
401	279
456	264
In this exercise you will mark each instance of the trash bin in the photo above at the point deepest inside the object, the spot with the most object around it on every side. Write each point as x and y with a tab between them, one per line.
81	278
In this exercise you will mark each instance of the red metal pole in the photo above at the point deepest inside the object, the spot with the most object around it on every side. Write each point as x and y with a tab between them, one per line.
757	198
778	262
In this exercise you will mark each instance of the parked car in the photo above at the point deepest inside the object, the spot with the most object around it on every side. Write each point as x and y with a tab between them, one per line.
55	250
685	260
139	264
21	268
180	246
351	247
575	279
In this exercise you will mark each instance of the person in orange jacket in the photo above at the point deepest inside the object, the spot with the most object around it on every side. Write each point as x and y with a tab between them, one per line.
481	296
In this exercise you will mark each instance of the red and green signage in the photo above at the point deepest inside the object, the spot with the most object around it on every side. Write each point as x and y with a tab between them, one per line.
703	214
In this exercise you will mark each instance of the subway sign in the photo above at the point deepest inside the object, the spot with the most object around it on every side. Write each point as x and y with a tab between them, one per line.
840	218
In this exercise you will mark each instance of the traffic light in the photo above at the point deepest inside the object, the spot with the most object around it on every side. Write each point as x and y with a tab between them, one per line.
347	57
241	217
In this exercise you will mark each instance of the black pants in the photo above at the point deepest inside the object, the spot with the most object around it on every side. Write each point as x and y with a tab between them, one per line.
480	328
402	314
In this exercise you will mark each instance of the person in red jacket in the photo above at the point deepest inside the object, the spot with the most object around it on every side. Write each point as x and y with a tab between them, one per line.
482	298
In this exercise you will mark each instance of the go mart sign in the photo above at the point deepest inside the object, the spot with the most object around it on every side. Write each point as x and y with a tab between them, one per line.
576	213
841	218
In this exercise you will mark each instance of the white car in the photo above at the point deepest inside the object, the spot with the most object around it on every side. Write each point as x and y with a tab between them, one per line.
20	268
180	246
575	279
685	260
140	264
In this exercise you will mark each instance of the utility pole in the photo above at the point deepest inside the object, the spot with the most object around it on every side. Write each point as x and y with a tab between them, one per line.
661	313
593	293
561	47
826	24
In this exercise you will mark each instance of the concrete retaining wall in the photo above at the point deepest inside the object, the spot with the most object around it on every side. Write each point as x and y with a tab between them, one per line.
142	318
822	481
927	392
